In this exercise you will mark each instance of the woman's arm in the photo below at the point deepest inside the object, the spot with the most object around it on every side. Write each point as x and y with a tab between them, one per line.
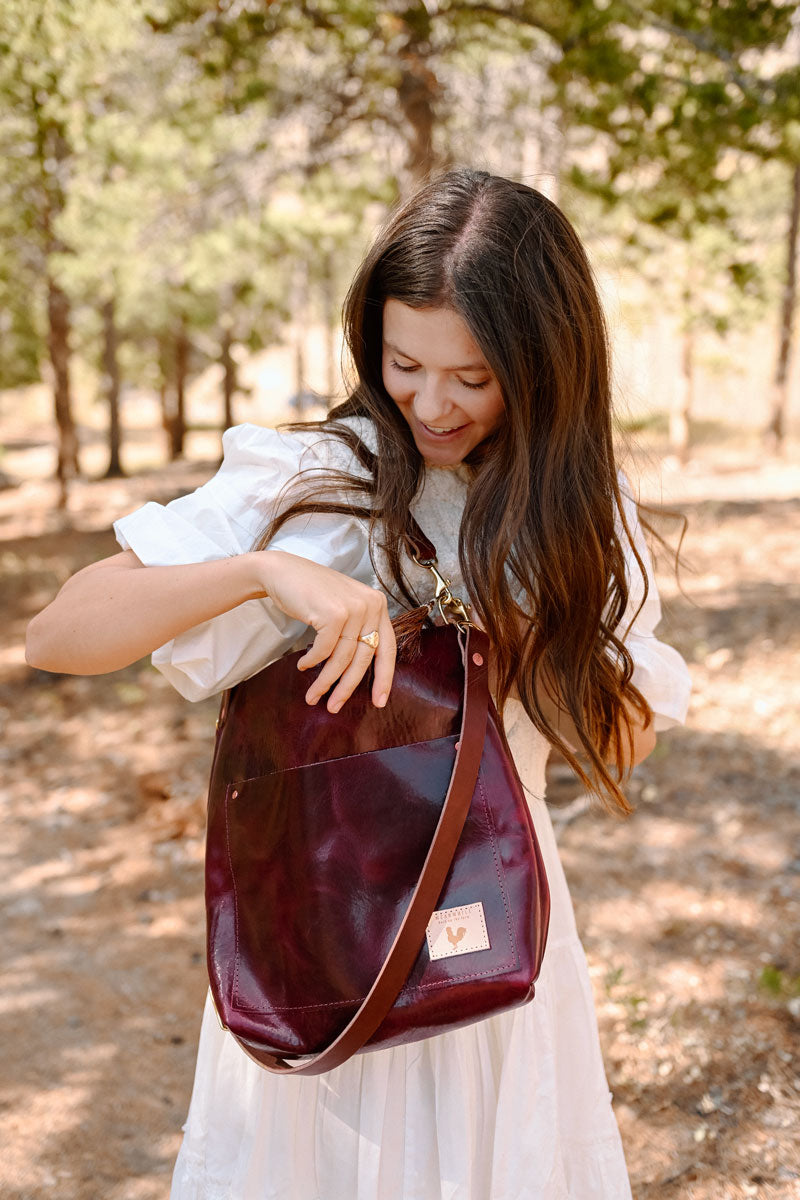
644	740
115	611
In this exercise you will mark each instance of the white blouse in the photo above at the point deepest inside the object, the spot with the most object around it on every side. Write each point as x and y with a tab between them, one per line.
224	516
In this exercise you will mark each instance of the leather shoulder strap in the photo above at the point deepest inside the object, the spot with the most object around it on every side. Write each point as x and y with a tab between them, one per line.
418	543
404	950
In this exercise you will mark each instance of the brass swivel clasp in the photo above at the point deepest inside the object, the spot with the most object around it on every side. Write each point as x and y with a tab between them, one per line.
452	609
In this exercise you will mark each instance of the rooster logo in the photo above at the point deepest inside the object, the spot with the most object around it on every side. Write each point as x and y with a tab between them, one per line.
455	938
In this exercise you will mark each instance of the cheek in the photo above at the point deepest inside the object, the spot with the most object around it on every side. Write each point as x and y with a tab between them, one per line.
393	387
493	411
394	394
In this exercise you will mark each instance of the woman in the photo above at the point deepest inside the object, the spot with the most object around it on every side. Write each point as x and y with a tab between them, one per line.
481	403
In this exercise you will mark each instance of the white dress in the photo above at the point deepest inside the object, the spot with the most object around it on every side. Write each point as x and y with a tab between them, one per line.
513	1107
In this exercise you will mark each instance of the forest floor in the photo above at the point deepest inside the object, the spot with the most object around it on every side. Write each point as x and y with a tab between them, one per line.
689	912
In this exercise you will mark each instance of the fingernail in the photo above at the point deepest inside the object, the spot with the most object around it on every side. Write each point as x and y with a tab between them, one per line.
335	706
310	699
381	701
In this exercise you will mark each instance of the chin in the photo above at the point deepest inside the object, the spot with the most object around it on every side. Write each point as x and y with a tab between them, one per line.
442	458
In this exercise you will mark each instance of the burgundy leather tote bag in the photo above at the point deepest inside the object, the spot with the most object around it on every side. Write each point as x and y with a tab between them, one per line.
373	876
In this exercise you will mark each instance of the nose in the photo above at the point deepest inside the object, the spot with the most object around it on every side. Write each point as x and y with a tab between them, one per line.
431	403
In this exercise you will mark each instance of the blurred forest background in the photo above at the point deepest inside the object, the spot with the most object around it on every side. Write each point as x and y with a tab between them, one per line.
186	189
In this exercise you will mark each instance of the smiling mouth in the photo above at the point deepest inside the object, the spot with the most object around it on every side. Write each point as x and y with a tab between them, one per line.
441	431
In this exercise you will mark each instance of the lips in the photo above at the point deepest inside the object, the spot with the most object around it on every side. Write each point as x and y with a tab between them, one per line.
442	433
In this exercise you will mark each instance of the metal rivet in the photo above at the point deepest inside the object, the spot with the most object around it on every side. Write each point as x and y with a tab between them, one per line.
478	660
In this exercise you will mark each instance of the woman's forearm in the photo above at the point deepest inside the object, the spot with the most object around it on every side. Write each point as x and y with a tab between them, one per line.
116	611
644	740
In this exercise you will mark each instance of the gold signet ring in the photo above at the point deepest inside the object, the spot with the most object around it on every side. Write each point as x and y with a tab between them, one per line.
370	639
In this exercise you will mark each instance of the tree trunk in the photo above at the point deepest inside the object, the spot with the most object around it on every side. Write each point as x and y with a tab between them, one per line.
682	403
418	92
178	431
51	149
300	320
331	325
229	382
58	318
111	386
779	399
164	373
174	395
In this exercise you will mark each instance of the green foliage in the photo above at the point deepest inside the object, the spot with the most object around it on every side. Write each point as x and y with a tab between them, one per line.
778	982
618	988
183	159
21	325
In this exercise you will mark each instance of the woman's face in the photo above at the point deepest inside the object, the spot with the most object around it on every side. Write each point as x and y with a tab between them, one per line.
439	380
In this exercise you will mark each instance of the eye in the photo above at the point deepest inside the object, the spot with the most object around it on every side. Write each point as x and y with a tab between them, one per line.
463	382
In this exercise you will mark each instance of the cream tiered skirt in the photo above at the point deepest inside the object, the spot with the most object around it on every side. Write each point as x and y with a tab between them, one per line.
514	1107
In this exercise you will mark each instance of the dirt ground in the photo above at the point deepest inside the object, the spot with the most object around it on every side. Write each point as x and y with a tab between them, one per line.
688	910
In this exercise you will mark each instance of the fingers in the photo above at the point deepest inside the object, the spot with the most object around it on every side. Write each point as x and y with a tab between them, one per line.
351	677
326	640
385	657
348	659
345	651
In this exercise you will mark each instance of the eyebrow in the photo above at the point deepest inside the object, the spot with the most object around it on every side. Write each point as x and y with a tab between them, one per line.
478	366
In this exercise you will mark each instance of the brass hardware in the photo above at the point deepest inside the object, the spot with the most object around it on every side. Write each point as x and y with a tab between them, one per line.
457	608
442	584
457	612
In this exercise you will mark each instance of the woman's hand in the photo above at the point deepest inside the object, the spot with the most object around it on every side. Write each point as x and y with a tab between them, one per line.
340	609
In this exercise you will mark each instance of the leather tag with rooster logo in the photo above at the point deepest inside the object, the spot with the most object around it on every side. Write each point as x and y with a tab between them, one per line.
459	930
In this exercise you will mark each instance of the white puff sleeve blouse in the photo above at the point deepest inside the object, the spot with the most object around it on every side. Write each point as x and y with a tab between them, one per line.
660	672
222	518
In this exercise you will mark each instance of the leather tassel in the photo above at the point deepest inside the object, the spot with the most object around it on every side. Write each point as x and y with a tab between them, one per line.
408	631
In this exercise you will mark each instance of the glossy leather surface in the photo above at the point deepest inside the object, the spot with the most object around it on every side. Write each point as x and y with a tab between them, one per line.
316	840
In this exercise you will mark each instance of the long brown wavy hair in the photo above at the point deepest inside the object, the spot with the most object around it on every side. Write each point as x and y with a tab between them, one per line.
540	509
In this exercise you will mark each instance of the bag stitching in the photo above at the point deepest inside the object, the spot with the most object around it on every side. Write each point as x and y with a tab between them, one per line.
500	880
421	987
235	981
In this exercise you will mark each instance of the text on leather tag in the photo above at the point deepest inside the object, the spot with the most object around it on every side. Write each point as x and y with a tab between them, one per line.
457	931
